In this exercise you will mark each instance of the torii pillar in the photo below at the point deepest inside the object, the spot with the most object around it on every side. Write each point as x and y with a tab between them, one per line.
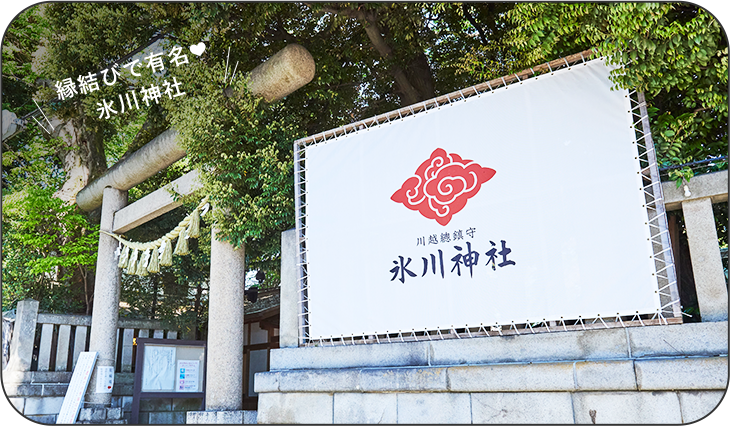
283	73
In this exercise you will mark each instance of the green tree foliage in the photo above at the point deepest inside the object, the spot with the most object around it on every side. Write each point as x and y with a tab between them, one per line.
371	58
45	243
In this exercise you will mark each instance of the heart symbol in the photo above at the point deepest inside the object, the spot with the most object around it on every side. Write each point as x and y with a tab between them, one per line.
198	49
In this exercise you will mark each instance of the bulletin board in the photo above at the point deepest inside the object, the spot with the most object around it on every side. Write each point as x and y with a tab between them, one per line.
169	368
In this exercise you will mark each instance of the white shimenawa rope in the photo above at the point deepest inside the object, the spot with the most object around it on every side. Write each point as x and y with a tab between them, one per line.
163	241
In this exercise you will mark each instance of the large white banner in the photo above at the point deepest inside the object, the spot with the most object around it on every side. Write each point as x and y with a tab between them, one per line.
519	205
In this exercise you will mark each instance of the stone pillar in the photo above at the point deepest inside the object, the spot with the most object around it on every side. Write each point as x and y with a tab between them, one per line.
105	315
21	344
706	262
289	291
224	376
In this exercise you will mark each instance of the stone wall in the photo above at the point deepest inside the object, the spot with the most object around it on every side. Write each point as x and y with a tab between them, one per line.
39	396
653	374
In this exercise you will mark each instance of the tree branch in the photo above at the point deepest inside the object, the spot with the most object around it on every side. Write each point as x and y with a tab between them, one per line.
473	23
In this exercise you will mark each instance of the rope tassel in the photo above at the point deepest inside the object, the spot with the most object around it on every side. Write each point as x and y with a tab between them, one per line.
166	258
194	228
154	265
124	258
132	266
181	248
142	265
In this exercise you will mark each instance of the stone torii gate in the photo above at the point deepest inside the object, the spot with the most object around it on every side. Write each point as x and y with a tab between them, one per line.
285	72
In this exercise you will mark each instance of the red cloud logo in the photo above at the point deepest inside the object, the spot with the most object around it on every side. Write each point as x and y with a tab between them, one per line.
442	185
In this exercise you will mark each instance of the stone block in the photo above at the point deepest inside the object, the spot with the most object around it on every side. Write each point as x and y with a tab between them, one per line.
626	407
116	401
289	291
522	408
701	338
295	408
124	378
93	415
54	390
684	373
249	417
48	377
319	380
155	404
214	417
114	413
122	390
144	418
127	403
23	339
43	405
160	417
351	408
7	410
434	408
385	355
697	404
512	378
186	404
558	346
403	380
178	417
266	381
605	375
23	390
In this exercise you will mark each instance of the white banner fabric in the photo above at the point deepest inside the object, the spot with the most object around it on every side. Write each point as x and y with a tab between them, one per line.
554	211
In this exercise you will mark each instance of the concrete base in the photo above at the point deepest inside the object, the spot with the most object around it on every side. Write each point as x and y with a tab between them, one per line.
656	374
247	417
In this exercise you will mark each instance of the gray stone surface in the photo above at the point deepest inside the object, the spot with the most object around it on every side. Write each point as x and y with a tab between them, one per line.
512	378
155	204
54	389
558	346
605	375
433	408
350	408
702	338
64	338
688	373
522	408
96	415
186	404
697	404
22	389
155	404
295	408
404	379
249	417
266	381
626	407
7	410
48	419
105	312
225	327
154	156
114	413
21	343
289	291
127	403
43	405
319	380
385	355
289	69
706	262
160	418
712	185
215	417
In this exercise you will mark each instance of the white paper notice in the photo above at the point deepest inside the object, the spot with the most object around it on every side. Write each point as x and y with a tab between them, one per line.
104	379
187	375
159	369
